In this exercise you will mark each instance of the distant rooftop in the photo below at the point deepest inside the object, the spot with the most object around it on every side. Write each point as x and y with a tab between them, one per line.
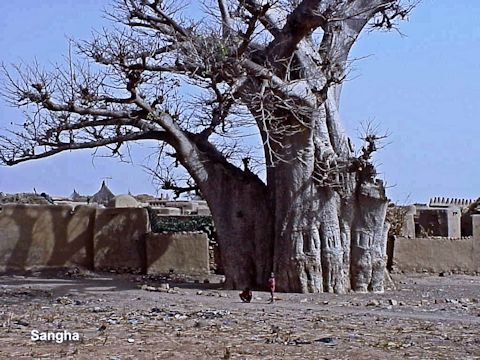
445	202
103	196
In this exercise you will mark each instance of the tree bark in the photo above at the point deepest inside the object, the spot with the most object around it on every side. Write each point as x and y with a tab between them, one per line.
369	238
241	214
328	238
243	222
326	242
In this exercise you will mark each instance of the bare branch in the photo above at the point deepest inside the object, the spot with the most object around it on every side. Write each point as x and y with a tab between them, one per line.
9	150
263	56
227	27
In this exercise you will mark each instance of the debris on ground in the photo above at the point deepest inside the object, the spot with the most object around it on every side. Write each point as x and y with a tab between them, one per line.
121	317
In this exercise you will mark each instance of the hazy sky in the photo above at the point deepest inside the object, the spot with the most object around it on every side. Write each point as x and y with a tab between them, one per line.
423	88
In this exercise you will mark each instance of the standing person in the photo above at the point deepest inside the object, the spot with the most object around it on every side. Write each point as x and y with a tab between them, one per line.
271	286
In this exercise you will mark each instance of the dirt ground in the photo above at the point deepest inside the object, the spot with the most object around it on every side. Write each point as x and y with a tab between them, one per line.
426	317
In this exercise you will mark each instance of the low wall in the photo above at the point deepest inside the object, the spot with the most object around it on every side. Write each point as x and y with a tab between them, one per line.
180	252
38	236
436	254
118	239
50	236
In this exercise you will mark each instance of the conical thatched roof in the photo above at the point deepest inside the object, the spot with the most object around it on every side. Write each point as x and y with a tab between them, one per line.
75	195
103	196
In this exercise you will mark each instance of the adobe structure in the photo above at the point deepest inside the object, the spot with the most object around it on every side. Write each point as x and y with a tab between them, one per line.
100	232
442	217
441	236
108	231
161	206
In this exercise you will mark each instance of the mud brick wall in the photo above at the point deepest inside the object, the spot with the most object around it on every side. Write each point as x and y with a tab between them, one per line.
34	237
180	252
50	236
436	254
431	222
118	239
39	236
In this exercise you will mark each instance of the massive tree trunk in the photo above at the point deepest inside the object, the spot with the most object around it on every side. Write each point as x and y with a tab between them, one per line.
241	212
329	210
327	238
243	222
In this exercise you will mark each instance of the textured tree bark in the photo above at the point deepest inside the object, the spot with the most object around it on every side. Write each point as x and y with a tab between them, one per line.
369	238
326	241
328	238
243	222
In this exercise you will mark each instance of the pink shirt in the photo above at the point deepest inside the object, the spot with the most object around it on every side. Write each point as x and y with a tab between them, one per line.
271	284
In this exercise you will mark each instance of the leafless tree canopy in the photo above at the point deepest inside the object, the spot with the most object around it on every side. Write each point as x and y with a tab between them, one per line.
125	83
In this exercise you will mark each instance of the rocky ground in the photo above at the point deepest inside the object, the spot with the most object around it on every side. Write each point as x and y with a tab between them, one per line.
134	317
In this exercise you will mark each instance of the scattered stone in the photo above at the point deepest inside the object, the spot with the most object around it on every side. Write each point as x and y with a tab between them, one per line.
22	322
327	341
148	288
164	286
301	342
199	323
64	300
451	301
199	320
392	344
212	314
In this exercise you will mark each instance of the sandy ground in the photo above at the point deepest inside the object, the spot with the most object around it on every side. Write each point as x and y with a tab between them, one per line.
426	317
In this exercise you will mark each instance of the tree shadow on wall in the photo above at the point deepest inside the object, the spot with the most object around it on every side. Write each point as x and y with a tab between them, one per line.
65	246
19	255
57	222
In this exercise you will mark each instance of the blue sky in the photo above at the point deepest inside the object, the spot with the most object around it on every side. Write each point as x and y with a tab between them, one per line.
423	88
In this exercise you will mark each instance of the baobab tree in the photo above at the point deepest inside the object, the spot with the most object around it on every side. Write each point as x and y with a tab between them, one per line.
318	219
